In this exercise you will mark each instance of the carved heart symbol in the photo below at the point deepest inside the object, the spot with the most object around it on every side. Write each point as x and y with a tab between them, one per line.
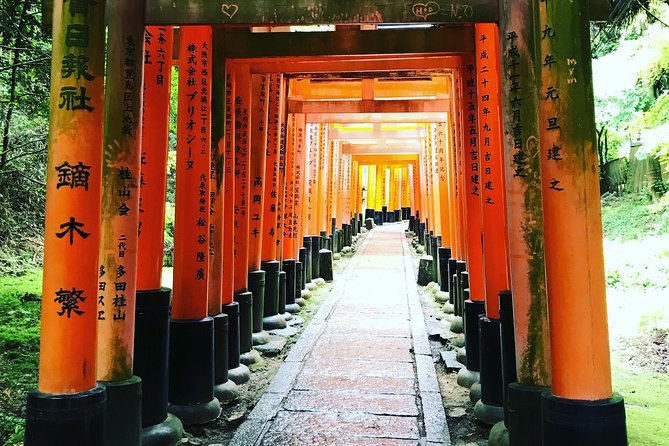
425	10
229	10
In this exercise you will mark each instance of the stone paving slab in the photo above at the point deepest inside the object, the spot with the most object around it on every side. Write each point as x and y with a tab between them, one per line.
349	401
274	439
371	352
347	424
372	384
354	340
360	367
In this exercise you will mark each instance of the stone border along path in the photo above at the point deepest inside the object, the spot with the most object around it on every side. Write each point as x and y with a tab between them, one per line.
362	372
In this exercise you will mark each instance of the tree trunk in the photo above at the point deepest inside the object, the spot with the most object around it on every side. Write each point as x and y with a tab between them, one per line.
18	43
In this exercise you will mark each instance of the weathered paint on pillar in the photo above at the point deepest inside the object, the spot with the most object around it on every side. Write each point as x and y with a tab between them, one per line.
406	187
355	188
443	176
242	169
73	185
153	177
217	176
371	186
289	190
257	167
228	233
283	132
491	159
472	174
414	178
271	194
191	226
322	178
521	91
572	210
311	205
120	190
433	189
455	141
300	182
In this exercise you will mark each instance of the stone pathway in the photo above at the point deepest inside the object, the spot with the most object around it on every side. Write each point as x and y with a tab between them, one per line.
362	372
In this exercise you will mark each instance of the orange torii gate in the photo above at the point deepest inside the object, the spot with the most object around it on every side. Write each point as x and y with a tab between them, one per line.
580	390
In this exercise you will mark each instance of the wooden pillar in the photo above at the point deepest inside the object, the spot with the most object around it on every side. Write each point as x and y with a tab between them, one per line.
193	172
576	286
192	375
72	234
406	187
120	220
283	127
443	152
257	168
229	179
472	174
332	178
459	229
491	160
355	189
414	178
153	176
432	180
271	193
300	183
311	204
521	92
242	171
322	178
289	190
371	186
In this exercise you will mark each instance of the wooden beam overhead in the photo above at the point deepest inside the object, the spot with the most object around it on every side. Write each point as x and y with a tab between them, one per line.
412	148
240	43
358	118
438	86
318	12
354	67
389	106
376	134
386	159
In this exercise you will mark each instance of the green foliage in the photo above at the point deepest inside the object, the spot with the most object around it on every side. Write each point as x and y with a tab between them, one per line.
633	217
19	346
25	53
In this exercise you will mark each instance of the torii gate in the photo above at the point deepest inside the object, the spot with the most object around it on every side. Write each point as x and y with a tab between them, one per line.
537	59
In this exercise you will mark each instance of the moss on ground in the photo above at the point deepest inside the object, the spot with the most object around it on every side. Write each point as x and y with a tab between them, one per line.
20	305
646	403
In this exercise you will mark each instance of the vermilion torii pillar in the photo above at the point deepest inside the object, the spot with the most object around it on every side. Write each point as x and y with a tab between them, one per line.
119	222
299	229
271	237
257	182
491	155
192	338
522	97
240	205
152	322
69	406
234	308
220	305
475	305
582	408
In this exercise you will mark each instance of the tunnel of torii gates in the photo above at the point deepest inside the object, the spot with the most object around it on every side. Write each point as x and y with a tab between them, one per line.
477	128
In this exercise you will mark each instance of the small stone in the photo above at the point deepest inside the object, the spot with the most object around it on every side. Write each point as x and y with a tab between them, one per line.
305	294
237	417
449	308
311	286
457	412
441	296
336	256
420	249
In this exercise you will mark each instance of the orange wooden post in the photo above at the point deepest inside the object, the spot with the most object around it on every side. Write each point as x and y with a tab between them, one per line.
371	188
495	259
67	396
237	307
322	176
153	302
310	211
295	274
414	179
257	185
406	190
273	205
443	154
491	159
582	408
521	104
289	191
191	326
241	144
226	316
119	222
457	138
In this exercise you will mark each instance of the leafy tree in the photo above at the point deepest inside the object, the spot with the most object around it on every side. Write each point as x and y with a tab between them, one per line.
25	54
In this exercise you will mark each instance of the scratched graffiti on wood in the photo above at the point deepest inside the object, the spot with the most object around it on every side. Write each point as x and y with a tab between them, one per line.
314	12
